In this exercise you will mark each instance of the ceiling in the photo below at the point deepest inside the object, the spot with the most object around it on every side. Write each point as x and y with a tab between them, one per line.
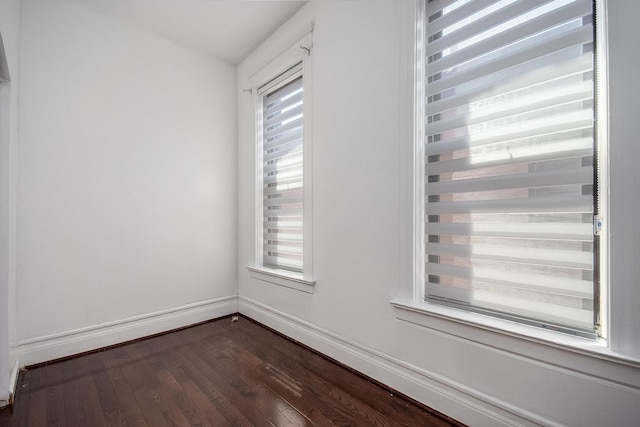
226	29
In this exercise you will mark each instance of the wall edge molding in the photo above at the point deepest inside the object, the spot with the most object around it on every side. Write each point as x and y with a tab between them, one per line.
13	384
67	343
447	396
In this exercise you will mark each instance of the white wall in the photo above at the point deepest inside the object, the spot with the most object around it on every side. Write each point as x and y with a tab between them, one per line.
126	183
362	249
9	31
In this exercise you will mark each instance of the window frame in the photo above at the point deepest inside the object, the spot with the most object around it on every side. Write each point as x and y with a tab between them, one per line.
299	52
409	302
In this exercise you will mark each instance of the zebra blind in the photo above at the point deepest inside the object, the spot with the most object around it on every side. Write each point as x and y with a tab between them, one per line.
509	142
282	191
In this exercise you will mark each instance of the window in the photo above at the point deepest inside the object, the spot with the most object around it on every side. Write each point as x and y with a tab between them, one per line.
281	92
510	179
282	171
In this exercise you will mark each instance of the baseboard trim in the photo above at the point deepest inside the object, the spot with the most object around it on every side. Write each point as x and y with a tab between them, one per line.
442	394
13	381
51	347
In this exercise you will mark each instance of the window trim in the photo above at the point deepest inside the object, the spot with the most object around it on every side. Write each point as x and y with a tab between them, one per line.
299	52
409	304
281	278
506	335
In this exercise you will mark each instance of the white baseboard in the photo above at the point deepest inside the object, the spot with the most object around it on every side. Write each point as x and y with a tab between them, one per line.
7	399
447	396
51	347
13	381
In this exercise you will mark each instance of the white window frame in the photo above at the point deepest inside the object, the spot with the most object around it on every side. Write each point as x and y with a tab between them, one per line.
299	52
409	302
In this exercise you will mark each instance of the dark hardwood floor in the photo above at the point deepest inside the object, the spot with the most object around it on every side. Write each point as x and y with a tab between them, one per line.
220	373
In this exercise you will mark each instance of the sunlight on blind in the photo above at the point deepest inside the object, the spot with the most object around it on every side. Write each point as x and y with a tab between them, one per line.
509	159
282	177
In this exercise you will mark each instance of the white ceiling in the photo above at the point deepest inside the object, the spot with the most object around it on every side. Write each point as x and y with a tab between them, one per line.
227	29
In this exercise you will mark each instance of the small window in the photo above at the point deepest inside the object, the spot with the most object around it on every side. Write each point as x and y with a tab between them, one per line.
510	183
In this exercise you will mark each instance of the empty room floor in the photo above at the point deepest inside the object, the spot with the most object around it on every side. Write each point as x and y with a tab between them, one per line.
219	373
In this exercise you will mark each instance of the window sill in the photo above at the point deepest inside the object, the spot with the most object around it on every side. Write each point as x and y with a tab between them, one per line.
528	341
277	277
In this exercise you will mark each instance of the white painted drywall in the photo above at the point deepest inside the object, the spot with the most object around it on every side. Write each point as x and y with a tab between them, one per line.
126	173
9	30
361	209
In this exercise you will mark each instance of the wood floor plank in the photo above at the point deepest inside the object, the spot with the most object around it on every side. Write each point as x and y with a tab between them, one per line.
188	396
234	359
150	410
234	389
254	369
55	398
72	392
210	412
318	413
144	369
169	410
179	398
211	390
90	399
111	408
38	400
315	389
139	372
114	360
339	378
219	373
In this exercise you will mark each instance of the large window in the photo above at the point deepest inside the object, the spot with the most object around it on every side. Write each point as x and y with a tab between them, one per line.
510	176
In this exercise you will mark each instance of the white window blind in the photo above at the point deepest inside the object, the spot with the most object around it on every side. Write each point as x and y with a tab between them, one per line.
509	167
282	240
